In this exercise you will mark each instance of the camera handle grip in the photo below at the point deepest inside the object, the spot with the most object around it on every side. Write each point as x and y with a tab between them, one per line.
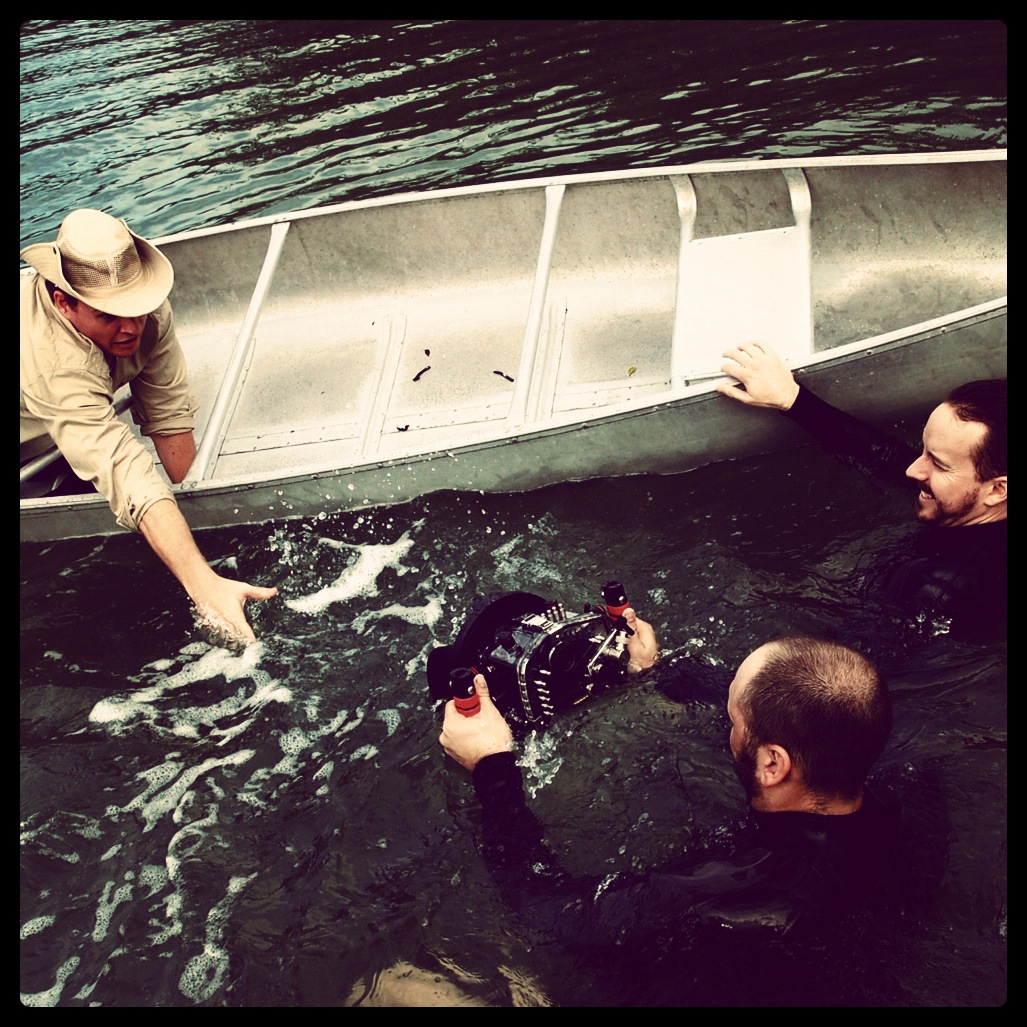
465	695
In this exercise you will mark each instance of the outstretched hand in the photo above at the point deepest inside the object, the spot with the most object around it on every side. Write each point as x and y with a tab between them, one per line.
220	602
469	739
643	649
220	609
768	381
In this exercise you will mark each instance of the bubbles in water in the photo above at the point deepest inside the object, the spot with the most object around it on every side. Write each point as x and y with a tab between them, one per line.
51	996
35	925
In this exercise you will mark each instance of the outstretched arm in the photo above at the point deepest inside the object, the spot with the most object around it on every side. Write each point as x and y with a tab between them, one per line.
219	601
512	845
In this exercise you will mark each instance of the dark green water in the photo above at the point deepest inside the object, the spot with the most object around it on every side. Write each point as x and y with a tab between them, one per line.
280	827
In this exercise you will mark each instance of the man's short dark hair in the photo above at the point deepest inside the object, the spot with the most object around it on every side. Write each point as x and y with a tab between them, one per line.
826	705
984	402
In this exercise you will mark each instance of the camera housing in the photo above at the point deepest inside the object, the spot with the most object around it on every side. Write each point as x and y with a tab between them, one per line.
537	659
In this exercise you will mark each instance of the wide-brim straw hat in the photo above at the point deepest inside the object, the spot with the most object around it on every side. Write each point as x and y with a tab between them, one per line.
100	260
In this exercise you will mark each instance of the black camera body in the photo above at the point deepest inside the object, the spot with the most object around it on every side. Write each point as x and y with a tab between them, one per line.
537	659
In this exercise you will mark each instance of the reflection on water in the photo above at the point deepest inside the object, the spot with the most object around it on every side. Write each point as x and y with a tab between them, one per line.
280	826
193	123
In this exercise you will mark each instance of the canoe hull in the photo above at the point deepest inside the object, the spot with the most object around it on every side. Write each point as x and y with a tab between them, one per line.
883	382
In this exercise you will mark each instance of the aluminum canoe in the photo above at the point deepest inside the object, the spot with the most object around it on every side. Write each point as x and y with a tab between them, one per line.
505	336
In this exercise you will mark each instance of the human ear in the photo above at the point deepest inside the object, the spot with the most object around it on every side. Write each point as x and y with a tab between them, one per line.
773	765
995	491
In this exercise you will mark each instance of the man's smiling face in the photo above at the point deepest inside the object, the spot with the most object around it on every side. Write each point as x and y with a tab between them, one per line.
950	494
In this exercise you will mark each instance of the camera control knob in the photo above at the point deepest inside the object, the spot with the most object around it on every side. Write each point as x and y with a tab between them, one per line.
615	598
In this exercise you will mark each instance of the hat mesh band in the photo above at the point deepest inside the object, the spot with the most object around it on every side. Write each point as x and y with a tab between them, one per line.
104	272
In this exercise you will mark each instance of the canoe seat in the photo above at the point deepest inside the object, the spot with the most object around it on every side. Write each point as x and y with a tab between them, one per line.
744	269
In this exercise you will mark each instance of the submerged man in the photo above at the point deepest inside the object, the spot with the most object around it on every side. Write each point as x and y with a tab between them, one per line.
94	317
809	718
960	471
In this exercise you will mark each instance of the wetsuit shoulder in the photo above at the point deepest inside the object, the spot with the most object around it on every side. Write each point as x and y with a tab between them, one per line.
955	572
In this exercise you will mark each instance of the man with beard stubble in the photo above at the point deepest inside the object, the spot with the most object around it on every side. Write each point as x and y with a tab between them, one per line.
961	474
809	718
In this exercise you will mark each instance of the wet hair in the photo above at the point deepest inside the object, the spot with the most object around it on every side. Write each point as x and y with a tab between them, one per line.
826	705
984	402
72	301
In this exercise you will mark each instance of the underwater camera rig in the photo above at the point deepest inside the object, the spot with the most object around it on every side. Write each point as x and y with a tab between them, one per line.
536	658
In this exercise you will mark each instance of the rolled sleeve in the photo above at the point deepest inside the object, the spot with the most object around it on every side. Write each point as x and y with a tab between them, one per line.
100	448
67	392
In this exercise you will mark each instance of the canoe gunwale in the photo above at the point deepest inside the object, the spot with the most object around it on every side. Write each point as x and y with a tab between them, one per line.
657	171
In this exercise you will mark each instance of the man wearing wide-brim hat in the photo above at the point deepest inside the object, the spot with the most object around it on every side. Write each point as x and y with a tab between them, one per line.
95	316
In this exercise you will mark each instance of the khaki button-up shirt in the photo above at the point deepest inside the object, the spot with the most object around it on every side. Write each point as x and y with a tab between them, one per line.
67	397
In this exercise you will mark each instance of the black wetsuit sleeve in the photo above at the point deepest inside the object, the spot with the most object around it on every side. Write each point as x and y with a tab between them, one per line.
512	844
758	887
851	440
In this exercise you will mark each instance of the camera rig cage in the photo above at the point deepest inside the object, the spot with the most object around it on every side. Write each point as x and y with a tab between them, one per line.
537	658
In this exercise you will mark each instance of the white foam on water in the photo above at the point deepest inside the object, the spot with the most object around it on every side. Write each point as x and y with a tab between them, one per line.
391	719
87	989
35	925
233	666
52	996
124	712
427	615
535	566
251	791
57	827
163	792
603	885
188	720
156	777
417	664
360	578
295	741
153	877
324	773
172	910
186	841
215	661
365	752
106	906
203	973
